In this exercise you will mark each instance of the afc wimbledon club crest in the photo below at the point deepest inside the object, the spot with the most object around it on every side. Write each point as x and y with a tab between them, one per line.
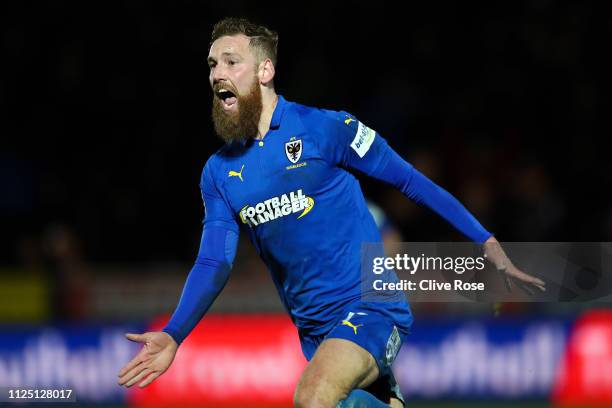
293	150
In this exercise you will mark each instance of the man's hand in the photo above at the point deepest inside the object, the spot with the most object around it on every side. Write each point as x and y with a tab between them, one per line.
495	254
152	361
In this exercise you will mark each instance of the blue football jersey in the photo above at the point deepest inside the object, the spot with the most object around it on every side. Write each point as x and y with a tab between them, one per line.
304	210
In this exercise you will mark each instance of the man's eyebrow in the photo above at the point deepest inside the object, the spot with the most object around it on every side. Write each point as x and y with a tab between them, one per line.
225	54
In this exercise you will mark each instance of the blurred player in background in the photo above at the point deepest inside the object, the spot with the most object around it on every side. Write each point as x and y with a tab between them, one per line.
285	172
389	234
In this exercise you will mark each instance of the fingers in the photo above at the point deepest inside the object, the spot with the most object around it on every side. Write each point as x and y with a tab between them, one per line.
129	366
138	377
140	338
149	379
525	282
526	278
136	360
539	283
506	279
131	374
139	368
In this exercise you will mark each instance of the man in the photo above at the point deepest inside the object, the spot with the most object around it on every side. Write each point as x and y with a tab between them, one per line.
285	173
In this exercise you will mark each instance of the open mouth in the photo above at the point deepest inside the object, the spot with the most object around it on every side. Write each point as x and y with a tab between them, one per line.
228	98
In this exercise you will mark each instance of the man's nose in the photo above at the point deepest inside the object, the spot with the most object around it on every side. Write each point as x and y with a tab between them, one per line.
218	74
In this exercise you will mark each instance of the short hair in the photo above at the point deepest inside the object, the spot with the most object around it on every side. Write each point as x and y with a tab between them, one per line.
263	41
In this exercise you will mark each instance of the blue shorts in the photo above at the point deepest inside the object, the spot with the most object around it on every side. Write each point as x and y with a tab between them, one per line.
372	327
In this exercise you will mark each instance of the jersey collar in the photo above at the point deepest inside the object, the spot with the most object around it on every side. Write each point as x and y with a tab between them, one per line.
277	116
278	112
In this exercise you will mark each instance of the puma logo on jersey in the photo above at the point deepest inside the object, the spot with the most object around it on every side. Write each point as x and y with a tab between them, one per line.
233	173
347	321
348	120
351	325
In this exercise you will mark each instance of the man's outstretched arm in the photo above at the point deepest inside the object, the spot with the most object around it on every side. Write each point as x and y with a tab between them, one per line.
204	283
361	148
422	190
354	146
213	264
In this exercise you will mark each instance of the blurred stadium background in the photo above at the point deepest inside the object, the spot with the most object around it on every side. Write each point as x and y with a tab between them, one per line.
105	129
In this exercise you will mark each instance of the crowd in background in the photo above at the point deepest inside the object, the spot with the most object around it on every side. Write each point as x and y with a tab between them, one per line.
106	123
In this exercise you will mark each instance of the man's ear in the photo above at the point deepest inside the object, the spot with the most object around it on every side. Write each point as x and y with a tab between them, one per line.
266	71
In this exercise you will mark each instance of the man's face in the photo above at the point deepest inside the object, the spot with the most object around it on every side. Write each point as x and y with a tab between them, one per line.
237	100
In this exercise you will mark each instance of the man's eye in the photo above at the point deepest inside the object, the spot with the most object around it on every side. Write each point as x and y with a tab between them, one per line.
231	62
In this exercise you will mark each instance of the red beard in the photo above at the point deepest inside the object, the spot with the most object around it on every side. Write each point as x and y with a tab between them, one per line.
240	125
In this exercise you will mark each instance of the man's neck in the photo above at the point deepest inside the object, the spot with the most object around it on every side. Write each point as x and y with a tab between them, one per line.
269	101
